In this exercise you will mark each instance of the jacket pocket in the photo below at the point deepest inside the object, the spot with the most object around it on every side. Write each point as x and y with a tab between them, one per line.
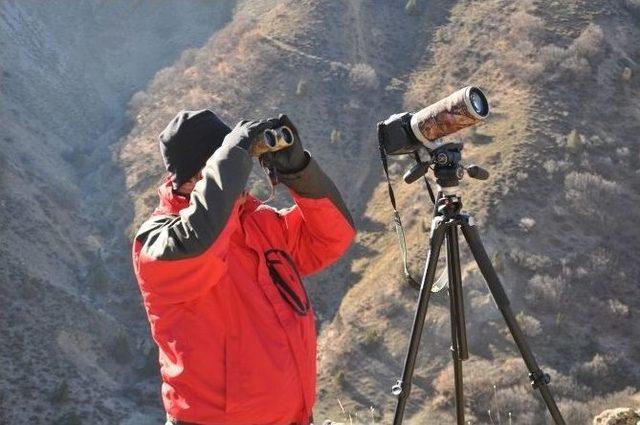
285	276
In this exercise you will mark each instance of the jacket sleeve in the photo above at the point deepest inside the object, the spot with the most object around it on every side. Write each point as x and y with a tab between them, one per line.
319	228
180	258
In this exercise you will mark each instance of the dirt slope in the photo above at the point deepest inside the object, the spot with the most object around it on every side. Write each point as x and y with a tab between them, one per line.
547	213
65	281
536	61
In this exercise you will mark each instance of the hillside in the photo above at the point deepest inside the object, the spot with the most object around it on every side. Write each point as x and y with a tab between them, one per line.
65	279
86	90
547	214
537	62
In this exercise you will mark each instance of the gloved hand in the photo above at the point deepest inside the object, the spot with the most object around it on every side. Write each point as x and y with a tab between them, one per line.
289	160
245	133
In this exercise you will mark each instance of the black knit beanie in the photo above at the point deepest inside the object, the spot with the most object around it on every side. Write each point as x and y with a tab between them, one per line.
188	141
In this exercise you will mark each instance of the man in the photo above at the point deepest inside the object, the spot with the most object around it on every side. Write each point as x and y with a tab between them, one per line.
220	275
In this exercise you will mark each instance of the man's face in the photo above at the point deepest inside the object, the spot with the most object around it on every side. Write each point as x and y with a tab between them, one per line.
187	187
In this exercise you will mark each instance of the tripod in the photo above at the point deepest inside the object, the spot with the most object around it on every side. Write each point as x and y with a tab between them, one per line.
446	222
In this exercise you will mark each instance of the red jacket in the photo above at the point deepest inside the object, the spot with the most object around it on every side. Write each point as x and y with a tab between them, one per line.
225	301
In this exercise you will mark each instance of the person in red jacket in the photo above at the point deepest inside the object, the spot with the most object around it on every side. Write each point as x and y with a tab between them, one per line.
220	275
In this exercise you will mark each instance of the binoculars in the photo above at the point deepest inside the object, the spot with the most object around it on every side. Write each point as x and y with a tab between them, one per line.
272	140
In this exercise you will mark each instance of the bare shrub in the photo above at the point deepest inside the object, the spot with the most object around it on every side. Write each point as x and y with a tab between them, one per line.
552	166
626	397
576	59
575	412
600	263
590	42
139	99
618	308
480	378
530	325
188	57
528	260
518	401
590	193
372	340
525	26
574	142
546	289
623	152
364	76
603	370
498	262
565	386
576	65
585	50
482	307
551	55
527	223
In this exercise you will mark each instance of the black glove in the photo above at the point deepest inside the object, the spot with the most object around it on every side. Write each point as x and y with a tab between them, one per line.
245	133
289	160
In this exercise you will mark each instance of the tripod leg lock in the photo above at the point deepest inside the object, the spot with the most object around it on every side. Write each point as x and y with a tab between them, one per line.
397	388
539	379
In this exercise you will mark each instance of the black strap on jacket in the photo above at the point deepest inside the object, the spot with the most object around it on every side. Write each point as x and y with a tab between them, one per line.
274	257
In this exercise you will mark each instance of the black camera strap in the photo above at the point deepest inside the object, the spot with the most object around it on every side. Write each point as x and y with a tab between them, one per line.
397	221
416	156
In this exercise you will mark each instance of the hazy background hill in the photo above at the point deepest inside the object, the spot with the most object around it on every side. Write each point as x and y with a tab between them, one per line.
86	89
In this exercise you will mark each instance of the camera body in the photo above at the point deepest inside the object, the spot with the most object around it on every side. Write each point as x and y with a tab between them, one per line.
396	136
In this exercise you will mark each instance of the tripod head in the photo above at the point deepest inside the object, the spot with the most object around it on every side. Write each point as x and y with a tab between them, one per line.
446	161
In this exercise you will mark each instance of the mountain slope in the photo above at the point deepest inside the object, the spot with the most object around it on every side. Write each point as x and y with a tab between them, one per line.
533	59
546	214
557	215
65	280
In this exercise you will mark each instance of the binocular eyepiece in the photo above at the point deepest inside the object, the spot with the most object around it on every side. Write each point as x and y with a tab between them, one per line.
278	136
272	140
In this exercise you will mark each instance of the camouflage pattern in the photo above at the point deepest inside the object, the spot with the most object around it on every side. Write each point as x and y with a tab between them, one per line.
445	117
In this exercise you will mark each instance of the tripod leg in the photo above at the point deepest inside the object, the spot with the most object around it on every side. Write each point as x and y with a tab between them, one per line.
457	366
459	351
402	389
455	288
539	379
